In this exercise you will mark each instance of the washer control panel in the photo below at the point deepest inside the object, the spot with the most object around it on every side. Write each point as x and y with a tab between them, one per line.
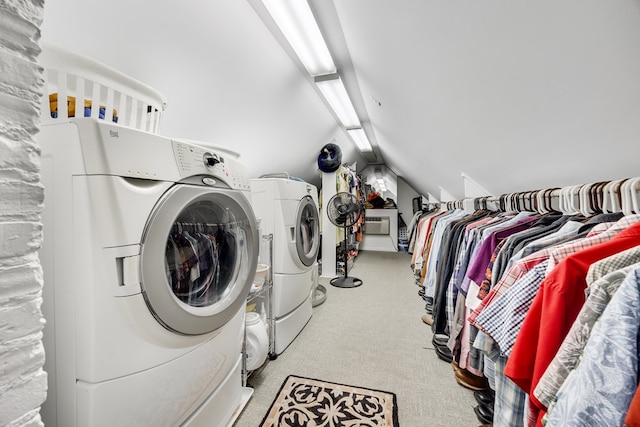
194	159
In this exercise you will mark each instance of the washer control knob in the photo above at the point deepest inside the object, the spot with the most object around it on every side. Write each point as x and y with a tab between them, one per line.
210	160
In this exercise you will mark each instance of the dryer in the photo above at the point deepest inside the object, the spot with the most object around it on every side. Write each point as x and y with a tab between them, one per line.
150	248
288	209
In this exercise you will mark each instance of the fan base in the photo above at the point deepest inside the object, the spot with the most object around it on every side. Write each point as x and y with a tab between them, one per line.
346	282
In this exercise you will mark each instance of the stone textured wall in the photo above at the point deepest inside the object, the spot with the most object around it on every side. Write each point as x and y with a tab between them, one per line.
23	383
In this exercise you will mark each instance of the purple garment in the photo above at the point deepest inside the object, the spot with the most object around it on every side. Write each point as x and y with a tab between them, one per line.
478	269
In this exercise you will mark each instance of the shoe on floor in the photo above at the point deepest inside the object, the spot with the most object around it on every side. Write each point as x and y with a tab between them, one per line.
455	366
444	353
485	397
427	318
484	413
440	339
428	306
468	380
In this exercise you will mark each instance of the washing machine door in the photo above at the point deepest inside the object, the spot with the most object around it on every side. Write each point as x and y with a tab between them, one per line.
308	231
198	259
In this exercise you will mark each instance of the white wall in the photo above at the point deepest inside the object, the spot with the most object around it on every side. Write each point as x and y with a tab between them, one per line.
405	195
22	380
382	242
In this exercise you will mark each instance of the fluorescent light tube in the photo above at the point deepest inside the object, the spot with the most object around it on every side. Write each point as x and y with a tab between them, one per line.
360	138
336	95
300	28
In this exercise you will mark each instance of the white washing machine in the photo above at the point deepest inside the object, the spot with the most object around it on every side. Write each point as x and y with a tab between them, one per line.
288	208
150	248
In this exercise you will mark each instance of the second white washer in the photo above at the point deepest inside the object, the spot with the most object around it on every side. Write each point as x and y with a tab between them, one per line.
288	209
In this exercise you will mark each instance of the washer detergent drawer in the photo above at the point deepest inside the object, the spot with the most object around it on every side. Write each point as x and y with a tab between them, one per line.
290	290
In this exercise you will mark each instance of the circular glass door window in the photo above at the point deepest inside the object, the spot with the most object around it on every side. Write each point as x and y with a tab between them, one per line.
206	253
198	258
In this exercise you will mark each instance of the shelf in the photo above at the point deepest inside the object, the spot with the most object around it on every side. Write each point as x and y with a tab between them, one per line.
263	299
258	294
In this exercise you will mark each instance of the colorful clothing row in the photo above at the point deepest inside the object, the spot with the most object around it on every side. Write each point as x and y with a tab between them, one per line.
534	287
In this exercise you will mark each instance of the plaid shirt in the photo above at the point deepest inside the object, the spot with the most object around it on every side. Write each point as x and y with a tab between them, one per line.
510	402
613	263
502	319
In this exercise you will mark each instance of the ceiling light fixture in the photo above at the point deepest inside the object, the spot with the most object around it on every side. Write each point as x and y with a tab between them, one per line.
336	95
360	138
298	25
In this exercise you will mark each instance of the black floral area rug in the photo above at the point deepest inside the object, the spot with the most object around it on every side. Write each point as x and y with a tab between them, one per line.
306	402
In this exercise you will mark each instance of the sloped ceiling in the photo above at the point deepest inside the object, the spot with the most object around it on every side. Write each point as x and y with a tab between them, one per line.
516	95
226	78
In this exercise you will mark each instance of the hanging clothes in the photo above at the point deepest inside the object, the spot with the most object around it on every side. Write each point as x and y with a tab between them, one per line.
600	293
503	319
554	309
520	295
598	393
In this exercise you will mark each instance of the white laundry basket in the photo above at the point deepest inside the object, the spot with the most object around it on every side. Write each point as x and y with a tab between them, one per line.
92	89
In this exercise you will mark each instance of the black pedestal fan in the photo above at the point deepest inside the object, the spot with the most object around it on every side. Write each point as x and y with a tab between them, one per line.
344	210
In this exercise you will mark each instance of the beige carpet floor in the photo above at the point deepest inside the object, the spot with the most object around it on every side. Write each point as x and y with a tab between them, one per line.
371	336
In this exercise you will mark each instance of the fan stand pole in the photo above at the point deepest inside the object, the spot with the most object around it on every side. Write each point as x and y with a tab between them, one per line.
345	282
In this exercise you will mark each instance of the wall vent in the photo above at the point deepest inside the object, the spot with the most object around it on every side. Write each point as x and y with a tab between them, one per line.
376	225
